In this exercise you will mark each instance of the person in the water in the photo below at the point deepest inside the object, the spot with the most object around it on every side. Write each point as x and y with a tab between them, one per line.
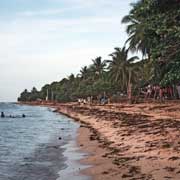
2	114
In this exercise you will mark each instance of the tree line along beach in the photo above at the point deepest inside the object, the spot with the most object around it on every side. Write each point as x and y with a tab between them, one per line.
128	106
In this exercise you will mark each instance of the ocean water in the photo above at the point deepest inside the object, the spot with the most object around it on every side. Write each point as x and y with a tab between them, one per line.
38	147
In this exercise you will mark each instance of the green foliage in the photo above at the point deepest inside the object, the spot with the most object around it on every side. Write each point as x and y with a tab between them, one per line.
120	68
173	75
30	96
153	27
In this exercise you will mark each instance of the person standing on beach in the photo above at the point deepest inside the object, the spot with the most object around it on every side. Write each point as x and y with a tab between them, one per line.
178	89
149	91
161	94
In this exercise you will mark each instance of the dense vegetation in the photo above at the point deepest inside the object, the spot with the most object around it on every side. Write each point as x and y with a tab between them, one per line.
153	27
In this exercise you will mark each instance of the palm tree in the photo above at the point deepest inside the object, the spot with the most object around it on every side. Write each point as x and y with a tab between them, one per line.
138	30
121	68
84	72
98	66
71	78
34	90
135	72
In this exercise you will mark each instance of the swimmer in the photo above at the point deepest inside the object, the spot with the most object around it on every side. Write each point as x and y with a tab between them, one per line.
2	114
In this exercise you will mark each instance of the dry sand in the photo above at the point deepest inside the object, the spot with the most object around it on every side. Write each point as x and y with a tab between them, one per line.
124	141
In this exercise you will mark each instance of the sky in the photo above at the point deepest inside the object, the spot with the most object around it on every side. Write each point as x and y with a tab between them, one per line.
46	40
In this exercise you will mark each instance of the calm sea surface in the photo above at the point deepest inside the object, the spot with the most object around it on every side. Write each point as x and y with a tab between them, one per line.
30	148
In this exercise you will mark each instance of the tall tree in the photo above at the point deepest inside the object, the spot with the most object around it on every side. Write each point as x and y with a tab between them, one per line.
98	66
121	68
153	28
84	72
140	35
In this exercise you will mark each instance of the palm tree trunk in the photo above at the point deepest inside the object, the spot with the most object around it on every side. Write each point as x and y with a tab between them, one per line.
129	87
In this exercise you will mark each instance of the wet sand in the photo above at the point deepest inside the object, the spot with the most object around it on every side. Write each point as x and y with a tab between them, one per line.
125	141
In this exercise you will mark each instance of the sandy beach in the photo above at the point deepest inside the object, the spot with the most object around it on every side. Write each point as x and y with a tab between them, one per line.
125	141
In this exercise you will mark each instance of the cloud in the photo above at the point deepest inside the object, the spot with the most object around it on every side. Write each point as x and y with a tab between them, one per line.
37	32
75	7
97	3
46	12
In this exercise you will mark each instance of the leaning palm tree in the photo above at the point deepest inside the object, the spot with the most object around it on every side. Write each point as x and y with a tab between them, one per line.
121	68
138	30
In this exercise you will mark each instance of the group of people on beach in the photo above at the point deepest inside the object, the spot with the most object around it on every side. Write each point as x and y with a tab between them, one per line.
83	101
155	92
101	99
158	92
10	116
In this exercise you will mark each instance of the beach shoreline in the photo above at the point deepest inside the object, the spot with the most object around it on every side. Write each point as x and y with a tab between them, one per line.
128	141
